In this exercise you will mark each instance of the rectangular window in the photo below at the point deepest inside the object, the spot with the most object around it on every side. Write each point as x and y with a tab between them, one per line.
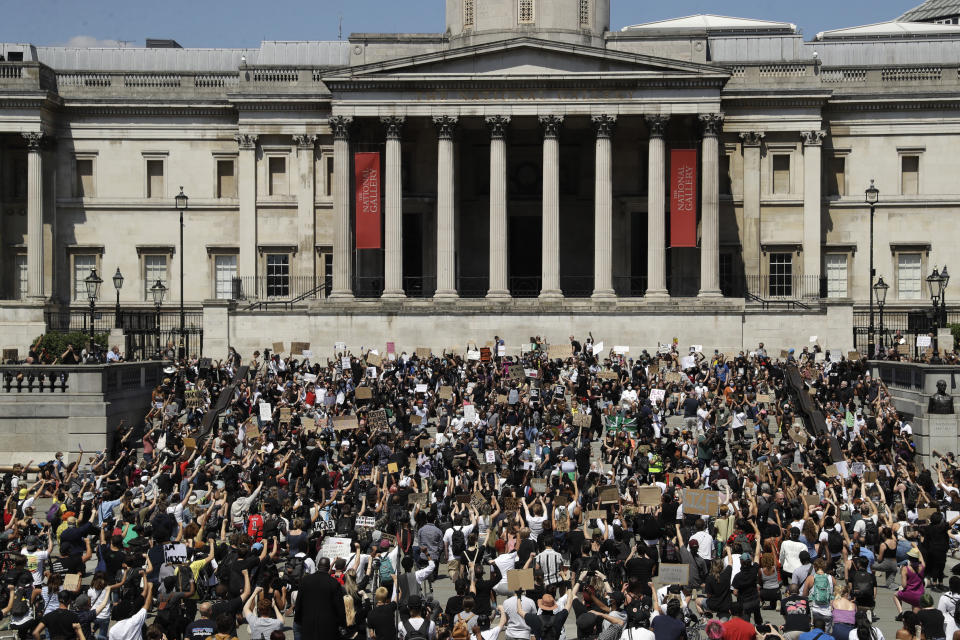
781	275
837	177
155	179
20	277
83	264
226	179
584	13
327	273
726	186
277	167
836	275
468	13
328	176
909	276
525	12
726	273
225	270
278	275
154	268
18	178
84	187
909	175
781	173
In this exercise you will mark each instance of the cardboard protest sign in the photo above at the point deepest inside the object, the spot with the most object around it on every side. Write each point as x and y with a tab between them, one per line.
363	393
520	579
582	420
596	514
924	514
71	582
423	353
673	573
11	355
377	419
609	495
343	423
811	500
608	374
853	355
648	496
515	372
673	377
462	498
480	503
764	398
870	476
446	393
297	348
511	503
832	471
561	351
562	518
189	444
392	467
652	370
278	347
252	431
798	435
415	419
419	499
285	414
194	398
374	360
539	485
701	502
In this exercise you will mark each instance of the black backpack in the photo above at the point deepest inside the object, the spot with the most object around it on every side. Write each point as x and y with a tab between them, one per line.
457	542
551	629
224	566
871	533
294	570
416	634
834	541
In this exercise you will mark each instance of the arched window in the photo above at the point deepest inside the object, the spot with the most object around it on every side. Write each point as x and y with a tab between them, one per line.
584	13
525	12
468	13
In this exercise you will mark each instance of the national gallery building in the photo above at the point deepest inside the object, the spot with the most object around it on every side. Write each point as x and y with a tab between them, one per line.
532	170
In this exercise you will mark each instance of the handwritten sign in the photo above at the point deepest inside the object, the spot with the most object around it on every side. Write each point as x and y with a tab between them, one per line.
701	502
480	503
811	500
582	420
189	444
446	393
673	573
334	548
299	347
71	582
657	395
344	423
252	431
609	495
324	525
423	353
648	496
490	456
853	355
520	579
285	415
175	553
266	413
374	359
378	419
923	341
511	503
539	485
419	499
515	372
365	522
363	393
193	398
561	351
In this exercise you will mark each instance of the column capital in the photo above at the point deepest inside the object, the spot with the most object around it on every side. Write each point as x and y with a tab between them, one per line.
813	138
551	125
446	125
246	141
657	123
498	126
712	123
394	126
305	142
752	138
36	139
340	125
604	124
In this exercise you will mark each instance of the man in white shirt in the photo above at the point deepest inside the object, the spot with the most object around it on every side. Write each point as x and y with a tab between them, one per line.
416	621
37	558
504	562
517	628
132	627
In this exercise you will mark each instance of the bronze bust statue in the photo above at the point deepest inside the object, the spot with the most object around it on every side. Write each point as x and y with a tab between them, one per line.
940	402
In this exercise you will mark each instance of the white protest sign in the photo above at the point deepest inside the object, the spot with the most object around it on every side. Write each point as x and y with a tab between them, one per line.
923	341
813	338
371	372
175	553
309	377
339	346
469	413
688	362
345	363
334	547
657	395
365	522
621	349
598	348
501	350
491	456
696	348
266	413
307	353
421	388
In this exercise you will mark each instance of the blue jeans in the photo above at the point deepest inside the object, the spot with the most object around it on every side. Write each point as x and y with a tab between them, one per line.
296	631
101	628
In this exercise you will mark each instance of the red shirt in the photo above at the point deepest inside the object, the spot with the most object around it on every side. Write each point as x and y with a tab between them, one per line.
739	629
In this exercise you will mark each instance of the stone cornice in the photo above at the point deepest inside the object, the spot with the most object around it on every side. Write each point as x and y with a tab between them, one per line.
597	82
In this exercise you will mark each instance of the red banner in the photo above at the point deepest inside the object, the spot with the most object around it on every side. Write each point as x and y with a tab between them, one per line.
367	177
683	197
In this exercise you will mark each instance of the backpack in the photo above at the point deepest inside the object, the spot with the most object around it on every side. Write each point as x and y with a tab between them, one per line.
255	527
224	565
294	570
871	533
416	634
550	630
956	610
834	542
822	594
53	513
458	543
461	630
407	586
184	578
386	569
21	601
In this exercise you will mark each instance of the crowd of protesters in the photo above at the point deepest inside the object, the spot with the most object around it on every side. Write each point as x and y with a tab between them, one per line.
651	496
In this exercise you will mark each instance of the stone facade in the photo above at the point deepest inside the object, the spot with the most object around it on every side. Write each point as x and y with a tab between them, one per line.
525	153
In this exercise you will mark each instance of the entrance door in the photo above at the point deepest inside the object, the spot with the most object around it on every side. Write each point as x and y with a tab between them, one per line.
637	285
526	253
413	281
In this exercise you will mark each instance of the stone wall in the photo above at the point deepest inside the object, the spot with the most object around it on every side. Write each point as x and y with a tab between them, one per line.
727	327
81	405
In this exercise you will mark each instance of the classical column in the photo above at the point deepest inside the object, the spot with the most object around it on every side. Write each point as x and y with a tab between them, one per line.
603	209
446	231
393	225
752	141
710	206
656	208
498	287
247	192
342	262
306	212
812	141
550	266
35	243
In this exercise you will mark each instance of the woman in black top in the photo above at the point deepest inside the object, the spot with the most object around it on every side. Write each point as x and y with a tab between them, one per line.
936	543
717	589
641	568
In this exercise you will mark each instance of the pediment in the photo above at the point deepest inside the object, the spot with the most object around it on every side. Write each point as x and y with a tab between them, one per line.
525	58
